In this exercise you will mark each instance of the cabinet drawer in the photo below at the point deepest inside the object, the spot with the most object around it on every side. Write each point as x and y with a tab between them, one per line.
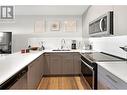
104	84
115	81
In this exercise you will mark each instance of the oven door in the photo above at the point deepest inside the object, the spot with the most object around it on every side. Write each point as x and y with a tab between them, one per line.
88	74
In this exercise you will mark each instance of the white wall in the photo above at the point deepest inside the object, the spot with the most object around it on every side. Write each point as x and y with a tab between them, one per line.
24	24
120	19
23	28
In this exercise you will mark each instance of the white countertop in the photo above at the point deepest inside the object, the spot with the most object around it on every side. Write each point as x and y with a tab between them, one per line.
118	69
11	64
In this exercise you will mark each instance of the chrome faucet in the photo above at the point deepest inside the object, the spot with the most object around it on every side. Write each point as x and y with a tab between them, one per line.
62	43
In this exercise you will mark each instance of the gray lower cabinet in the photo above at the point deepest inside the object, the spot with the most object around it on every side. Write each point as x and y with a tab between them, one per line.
58	63
52	63
67	63
49	64
55	64
46	64
35	72
107	80
21	83
103	83
76	64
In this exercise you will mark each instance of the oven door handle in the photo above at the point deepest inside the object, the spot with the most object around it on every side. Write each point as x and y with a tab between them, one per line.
87	64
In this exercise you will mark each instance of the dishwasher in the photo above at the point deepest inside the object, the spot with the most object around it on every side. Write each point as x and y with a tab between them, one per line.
17	81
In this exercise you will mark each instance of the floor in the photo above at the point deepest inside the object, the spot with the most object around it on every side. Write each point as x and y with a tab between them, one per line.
62	83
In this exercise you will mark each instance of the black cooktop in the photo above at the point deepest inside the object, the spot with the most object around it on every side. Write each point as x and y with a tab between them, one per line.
101	57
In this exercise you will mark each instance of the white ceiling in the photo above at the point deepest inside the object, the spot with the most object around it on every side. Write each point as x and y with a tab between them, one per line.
50	9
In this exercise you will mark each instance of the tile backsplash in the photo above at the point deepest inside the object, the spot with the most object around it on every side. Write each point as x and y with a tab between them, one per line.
110	45
53	43
103	44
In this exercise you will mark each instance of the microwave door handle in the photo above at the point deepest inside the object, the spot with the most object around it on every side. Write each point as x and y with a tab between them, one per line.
101	24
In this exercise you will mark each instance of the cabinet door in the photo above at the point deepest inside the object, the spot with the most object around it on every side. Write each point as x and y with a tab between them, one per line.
55	64
21	83
67	61
103	84
42	65
77	64
32	79
114	81
34	73
46	63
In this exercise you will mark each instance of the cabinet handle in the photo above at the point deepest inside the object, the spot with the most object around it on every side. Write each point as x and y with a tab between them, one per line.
111	79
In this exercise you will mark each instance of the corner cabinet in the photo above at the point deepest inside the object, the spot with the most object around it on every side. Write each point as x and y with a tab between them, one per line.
35	73
107	80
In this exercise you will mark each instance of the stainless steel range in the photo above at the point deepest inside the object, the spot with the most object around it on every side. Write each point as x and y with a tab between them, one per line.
89	66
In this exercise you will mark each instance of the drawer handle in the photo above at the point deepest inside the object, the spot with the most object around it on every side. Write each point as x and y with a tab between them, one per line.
111	78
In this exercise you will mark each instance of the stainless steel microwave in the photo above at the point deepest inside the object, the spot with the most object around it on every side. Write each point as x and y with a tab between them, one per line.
102	26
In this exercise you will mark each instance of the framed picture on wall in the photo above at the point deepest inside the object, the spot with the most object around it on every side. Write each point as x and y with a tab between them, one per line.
69	26
55	26
39	26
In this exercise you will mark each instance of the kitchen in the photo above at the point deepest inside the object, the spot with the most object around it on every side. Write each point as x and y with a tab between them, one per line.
62	48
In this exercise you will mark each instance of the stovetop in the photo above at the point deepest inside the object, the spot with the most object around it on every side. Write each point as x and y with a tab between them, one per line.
101	57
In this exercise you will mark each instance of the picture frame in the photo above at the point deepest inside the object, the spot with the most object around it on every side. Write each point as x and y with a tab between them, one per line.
39	26
69	26
55	26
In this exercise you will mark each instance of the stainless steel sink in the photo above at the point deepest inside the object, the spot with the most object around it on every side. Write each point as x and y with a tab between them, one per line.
61	50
